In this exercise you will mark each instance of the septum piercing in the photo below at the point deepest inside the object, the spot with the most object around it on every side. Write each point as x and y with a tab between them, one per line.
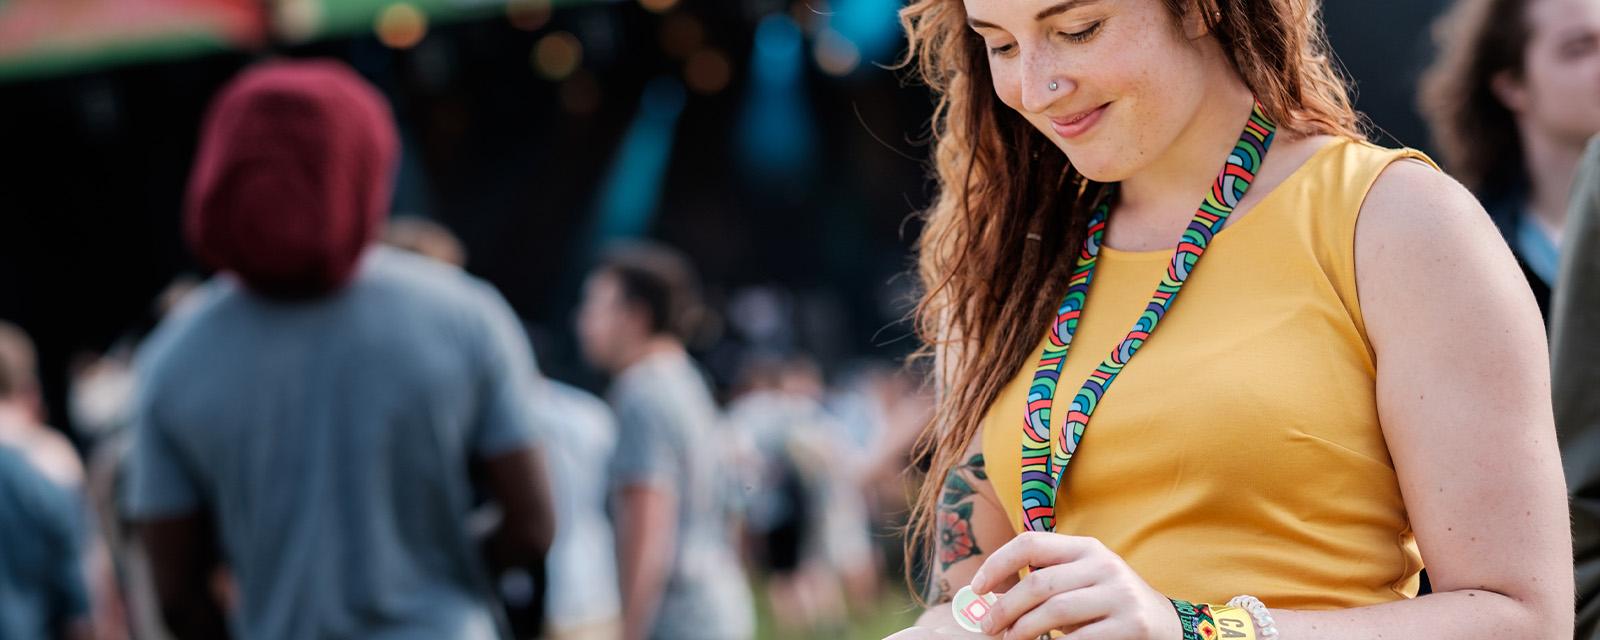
1054	85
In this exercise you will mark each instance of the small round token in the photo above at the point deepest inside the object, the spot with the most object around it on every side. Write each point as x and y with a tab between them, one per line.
970	609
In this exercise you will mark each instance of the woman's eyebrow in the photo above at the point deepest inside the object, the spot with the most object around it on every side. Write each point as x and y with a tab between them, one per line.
982	24
1053	10
1063	7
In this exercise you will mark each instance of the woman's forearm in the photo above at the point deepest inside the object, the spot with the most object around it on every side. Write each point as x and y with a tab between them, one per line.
1458	615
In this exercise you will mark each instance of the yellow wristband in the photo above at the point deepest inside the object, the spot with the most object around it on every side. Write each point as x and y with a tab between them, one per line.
1234	623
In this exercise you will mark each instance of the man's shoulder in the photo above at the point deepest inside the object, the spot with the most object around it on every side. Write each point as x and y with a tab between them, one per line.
41	501
671	397
395	272
200	310
436	295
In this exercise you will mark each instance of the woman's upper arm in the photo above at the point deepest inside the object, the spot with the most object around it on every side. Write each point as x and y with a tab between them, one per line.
1463	390
969	525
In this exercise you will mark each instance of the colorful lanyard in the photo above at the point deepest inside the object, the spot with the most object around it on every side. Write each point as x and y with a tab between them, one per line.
1044	464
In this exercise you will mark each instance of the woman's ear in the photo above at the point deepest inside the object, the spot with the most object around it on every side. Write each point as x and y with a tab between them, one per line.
1509	89
1194	21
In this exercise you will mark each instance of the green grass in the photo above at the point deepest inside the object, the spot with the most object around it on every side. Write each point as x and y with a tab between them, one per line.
893	611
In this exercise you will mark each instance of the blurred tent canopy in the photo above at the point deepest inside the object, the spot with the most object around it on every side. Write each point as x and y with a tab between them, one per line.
42	38
52	37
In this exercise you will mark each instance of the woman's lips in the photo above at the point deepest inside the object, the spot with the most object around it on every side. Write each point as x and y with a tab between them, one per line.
1076	125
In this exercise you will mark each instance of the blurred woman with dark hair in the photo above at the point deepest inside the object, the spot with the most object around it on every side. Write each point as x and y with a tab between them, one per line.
1512	98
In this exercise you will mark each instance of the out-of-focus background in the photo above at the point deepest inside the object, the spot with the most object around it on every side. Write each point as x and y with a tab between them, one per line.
766	139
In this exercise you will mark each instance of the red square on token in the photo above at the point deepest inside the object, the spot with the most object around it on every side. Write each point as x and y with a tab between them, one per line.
977	610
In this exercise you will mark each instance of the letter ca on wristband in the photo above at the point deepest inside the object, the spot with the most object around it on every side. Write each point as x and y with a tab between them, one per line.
1233	628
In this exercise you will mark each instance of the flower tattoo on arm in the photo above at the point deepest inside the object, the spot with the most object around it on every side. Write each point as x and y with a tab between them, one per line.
956	541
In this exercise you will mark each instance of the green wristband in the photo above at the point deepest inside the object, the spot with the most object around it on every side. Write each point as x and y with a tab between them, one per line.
1195	619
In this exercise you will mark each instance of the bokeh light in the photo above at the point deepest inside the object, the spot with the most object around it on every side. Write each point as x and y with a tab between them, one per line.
401	26
528	15
557	55
297	20
707	71
835	54
807	14
658	6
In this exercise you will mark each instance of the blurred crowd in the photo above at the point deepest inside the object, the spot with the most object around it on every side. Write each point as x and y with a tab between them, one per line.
343	434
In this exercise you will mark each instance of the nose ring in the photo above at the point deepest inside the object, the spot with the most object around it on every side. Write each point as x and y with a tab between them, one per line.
1054	85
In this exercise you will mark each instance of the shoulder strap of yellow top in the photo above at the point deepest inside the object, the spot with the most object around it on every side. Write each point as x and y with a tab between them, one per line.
1342	182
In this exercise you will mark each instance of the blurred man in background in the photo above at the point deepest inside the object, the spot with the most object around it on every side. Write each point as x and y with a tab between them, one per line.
807	515
679	574
42	542
310	420
1575	372
22	424
582	601
1511	101
425	237
42	589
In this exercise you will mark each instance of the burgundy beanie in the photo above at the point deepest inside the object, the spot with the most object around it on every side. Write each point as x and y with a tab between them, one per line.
292	178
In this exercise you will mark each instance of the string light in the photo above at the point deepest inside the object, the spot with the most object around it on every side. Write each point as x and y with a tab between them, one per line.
298	20
528	15
658	6
401	26
557	55
707	72
835	54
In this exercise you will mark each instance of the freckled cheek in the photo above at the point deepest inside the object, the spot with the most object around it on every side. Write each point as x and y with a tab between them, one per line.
1006	87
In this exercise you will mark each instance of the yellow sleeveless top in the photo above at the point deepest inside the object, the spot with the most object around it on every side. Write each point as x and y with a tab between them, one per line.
1240	450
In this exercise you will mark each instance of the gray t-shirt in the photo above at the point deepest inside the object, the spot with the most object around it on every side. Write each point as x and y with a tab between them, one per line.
330	440
582	566
667	423
41	572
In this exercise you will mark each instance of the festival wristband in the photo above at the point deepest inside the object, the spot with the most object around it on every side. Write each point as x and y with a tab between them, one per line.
1234	623
1196	620
1208	623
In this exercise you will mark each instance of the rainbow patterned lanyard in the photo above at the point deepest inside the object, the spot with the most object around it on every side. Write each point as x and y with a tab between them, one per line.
1044	464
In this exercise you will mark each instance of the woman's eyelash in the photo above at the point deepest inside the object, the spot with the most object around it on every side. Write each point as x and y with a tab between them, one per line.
1080	36
1074	37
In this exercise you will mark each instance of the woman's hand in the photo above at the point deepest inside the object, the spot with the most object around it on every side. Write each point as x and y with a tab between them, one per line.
1077	586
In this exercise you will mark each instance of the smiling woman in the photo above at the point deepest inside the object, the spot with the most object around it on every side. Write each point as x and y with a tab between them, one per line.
1295	427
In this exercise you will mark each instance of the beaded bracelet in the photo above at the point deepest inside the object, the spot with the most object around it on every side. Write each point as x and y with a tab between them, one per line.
1267	627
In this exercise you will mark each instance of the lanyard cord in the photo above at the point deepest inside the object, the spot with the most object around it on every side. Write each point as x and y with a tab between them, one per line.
1045	461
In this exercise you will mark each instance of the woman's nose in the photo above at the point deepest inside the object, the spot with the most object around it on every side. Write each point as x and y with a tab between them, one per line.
1043	84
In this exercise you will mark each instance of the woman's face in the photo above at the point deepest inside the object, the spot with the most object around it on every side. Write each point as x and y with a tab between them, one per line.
1559	93
1128	76
603	320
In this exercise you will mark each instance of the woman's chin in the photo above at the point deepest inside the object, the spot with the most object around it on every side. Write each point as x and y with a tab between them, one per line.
1098	167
